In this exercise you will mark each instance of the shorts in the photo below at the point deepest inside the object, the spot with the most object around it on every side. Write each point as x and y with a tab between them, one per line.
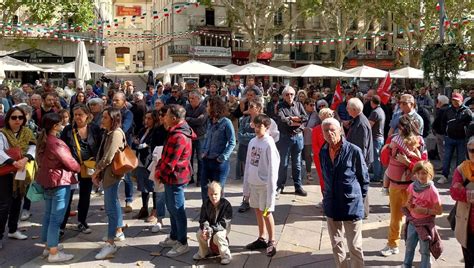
258	198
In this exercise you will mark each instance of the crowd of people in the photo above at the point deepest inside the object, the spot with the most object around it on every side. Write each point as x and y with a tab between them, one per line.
66	140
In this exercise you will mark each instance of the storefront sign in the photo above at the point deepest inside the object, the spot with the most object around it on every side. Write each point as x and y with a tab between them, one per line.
205	51
129	11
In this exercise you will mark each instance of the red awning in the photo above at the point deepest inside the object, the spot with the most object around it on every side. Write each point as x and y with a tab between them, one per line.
245	55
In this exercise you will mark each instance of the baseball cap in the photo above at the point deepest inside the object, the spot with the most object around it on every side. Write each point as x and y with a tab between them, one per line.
457	96
190	81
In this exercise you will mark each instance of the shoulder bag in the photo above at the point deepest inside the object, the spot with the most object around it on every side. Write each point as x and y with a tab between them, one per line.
87	166
124	160
15	154
452	214
35	192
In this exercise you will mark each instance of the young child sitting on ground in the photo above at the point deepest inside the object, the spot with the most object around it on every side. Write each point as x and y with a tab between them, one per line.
260	179
423	204
214	224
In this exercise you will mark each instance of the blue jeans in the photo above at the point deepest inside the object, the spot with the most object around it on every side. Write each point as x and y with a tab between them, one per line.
449	146
128	188
377	166
56	201
113	209
174	197
197	152
411	242
212	170
290	146
160	205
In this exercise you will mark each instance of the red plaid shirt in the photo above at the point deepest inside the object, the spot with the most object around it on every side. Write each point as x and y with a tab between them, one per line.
174	166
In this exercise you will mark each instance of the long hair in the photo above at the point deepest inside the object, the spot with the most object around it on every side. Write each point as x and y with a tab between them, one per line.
116	117
49	121
408	126
9	114
217	108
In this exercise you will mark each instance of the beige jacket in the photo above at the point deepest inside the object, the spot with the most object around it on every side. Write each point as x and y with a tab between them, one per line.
112	142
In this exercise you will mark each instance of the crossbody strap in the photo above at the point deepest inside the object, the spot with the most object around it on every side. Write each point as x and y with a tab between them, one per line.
77	145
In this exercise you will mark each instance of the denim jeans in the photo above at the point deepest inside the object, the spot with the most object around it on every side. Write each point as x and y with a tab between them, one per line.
128	188
174	196
113	209
212	170
160	205
55	201
196	153
411	242
449	146
377	166
290	146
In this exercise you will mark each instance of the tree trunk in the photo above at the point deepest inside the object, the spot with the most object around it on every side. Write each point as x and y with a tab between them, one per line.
415	57
340	55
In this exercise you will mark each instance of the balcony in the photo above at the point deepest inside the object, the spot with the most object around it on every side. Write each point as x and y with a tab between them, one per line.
199	23
381	54
300	55
179	49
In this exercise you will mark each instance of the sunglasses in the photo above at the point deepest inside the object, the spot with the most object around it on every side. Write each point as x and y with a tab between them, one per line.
470	150
17	117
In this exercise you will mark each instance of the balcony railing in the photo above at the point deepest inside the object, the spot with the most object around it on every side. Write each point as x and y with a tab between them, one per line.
179	49
382	54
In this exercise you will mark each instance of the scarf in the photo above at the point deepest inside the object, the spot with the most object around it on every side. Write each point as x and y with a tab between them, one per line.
420	187
467	170
24	138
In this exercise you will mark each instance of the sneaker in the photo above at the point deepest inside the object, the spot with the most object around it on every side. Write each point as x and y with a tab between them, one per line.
25	214
260	243
60	257
46	251
142	214
106	252
226	259
127	208
84	228
168	243
17	235
177	250
244	206
271	248
118	237
279	191
301	192
442	180
198	257
156	228
387	251
385	191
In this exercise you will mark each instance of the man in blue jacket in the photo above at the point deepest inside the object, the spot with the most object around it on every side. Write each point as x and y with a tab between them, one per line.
346	181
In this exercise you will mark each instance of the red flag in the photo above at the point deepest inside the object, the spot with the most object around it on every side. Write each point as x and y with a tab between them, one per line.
337	98
384	89
438	7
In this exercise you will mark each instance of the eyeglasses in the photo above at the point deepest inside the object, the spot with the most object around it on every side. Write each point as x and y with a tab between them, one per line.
17	117
470	150
289	94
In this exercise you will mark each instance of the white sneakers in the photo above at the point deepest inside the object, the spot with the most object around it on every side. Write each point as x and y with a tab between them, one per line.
46	251
118	237
198	257
156	228
442	180
17	235
60	257
226	259
106	252
177	250
25	215
167	243
387	251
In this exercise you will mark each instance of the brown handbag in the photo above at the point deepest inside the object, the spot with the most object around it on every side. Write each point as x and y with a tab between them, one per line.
124	161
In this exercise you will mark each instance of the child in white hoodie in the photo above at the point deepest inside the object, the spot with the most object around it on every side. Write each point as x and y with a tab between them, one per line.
260	182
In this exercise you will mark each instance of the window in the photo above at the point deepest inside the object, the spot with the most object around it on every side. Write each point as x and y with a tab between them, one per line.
278	43
278	18
210	17
368	45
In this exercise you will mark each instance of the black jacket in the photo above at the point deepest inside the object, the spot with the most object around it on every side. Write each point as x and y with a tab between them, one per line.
197	119
437	124
94	138
216	218
455	121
